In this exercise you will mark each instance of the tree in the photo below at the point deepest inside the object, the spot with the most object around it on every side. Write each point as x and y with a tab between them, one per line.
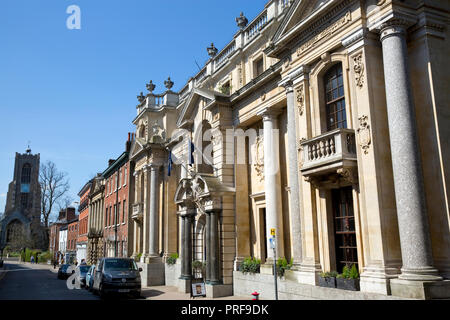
54	187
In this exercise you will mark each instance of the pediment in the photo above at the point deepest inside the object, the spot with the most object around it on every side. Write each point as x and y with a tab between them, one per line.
193	100
299	11
136	147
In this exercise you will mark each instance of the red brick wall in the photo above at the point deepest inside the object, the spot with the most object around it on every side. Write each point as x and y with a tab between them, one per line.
72	236
111	196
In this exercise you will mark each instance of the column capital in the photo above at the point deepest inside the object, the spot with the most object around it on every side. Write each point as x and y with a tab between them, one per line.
269	114
393	27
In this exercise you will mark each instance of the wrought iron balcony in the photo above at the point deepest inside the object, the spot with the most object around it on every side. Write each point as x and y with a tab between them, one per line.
138	209
328	152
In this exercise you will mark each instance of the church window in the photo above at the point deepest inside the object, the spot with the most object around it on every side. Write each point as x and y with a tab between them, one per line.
26	173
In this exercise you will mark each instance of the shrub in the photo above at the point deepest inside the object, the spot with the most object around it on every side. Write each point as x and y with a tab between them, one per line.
354	274
197	264
172	259
45	256
283	265
250	265
138	257
349	273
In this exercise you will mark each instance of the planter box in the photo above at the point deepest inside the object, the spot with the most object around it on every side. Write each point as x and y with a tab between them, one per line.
328	282
347	284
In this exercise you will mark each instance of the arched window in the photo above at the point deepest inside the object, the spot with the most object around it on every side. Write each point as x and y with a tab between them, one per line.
26	173
335	98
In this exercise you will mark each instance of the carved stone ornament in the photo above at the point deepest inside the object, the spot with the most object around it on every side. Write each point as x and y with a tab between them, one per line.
348	174
241	21
301	100
259	158
364	133
358	68
150	86
158	134
141	97
263	95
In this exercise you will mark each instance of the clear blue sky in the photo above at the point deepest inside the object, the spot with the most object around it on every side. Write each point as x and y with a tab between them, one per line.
72	93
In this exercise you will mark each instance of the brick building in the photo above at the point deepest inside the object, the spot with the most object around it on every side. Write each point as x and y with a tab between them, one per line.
83	218
72	236
116	209
64	218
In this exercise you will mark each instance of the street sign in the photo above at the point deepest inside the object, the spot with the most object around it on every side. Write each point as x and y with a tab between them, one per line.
272	243
272	232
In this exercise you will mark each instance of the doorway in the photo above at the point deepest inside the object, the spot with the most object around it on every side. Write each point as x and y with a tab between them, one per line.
344	228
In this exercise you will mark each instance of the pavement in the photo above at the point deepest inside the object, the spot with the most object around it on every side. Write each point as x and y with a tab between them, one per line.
26	281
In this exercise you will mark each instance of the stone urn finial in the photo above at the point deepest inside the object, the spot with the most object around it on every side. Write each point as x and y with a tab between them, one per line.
212	51
141	97
241	21
150	86
168	83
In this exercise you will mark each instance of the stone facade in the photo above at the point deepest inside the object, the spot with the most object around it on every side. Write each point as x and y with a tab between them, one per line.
323	120
95	245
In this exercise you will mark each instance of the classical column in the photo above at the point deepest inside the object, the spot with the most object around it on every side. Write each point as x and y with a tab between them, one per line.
409	190
294	190
183	245
214	247
154	197
272	180
186	262
207	241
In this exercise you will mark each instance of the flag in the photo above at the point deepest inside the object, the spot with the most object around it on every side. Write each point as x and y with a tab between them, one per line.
169	167
191	153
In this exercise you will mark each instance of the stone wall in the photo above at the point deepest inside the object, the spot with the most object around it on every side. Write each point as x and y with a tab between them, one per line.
245	284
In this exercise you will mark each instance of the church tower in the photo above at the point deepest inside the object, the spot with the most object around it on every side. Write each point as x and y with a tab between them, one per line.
23	204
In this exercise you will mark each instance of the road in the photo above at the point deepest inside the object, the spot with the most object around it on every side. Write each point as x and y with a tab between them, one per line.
31	282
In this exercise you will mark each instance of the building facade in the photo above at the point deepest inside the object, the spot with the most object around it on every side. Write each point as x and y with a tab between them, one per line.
95	246
72	237
82	239
21	223
116	219
65	217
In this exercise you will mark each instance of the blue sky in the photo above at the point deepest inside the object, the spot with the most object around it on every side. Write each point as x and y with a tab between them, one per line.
72	93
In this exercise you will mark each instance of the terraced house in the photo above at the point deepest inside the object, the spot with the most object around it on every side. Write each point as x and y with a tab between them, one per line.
324	120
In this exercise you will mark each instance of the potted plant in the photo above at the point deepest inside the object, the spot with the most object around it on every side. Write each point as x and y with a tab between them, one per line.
172	259
328	279
349	279
250	265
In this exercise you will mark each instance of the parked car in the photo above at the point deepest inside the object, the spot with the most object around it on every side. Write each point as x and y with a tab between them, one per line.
64	271
90	278
117	275
81	272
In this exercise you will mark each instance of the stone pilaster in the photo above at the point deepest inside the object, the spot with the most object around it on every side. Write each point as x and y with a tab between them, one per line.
213	244
145	216
409	191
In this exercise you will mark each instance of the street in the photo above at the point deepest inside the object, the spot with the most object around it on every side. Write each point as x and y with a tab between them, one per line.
36	282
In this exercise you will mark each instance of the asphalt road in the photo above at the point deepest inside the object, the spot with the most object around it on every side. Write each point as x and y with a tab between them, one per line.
22	282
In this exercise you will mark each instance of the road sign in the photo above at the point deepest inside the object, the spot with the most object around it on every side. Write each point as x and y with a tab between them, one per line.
272	232
272	243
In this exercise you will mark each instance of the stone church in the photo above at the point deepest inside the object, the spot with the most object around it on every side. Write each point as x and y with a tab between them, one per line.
21	224
324	122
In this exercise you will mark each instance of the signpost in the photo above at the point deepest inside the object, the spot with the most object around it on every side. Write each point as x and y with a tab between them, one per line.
274	247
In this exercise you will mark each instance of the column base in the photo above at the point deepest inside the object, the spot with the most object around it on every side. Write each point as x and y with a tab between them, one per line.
377	279
423	290
266	268
218	290
237	263
420	274
305	274
153	274
184	285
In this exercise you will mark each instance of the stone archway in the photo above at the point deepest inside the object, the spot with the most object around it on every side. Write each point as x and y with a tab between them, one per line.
15	231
